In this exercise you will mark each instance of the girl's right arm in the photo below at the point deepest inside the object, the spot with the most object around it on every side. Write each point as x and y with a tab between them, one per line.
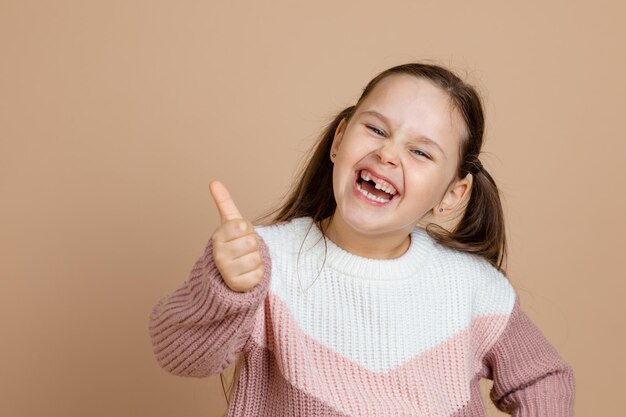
198	329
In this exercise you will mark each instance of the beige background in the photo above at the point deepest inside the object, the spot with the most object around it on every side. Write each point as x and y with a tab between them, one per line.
114	116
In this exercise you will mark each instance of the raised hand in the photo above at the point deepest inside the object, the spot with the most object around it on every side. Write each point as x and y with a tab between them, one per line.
236	250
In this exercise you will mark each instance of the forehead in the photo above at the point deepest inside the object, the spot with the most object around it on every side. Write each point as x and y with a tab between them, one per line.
419	107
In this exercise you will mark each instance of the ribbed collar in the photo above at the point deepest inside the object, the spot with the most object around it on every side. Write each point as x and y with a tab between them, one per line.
406	265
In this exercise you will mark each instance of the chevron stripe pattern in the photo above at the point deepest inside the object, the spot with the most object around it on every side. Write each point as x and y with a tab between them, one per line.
328	333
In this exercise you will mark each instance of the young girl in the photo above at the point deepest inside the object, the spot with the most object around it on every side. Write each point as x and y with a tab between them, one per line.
342	305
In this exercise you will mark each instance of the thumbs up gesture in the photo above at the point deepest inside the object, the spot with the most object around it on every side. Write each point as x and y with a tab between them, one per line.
236	249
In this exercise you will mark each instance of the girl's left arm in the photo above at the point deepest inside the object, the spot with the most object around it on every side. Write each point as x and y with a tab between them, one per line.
530	379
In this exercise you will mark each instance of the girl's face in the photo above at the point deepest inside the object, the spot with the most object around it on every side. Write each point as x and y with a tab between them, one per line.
397	157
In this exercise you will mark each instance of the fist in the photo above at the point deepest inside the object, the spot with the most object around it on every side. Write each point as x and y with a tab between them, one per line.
236	249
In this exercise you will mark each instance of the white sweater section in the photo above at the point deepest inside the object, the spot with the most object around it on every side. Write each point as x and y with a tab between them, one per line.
400	307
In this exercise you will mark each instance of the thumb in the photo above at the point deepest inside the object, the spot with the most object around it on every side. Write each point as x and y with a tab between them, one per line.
223	201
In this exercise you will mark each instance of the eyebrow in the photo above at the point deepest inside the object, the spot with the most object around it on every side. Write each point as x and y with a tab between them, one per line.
421	137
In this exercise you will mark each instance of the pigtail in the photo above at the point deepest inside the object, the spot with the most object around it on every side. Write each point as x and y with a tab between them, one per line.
481	229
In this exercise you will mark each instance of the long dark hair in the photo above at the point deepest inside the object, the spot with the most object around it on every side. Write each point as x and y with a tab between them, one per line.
480	230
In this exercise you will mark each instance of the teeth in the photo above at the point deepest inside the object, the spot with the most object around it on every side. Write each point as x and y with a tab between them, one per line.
388	190
379	186
371	196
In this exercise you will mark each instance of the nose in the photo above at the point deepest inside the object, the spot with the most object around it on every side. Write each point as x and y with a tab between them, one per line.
388	152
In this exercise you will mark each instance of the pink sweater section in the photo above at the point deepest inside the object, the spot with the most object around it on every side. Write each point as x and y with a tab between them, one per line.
198	329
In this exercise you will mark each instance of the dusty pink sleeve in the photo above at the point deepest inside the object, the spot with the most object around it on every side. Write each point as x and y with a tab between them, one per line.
198	329
530	379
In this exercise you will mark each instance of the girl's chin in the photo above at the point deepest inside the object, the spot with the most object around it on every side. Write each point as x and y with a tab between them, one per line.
371	221
361	221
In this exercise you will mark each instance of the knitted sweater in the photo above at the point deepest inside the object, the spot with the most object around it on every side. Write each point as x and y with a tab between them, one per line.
409	336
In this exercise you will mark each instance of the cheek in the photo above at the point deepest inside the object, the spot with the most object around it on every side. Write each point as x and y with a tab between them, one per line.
354	148
439	191
344	164
428	185
338	178
342	177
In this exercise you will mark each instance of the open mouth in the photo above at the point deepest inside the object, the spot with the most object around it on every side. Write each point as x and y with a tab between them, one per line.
374	188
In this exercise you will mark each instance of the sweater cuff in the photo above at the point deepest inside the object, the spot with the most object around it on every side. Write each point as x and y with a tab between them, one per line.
552	396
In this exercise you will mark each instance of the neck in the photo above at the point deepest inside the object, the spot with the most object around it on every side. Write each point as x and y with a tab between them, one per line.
380	246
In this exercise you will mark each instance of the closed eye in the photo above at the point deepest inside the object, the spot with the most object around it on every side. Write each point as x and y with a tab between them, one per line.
418	152
376	130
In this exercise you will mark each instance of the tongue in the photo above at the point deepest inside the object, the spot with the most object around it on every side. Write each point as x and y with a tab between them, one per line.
370	188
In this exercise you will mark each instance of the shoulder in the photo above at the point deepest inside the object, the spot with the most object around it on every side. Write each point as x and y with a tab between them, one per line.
490	289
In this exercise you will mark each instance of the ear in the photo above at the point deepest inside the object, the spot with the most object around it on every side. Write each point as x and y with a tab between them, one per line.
456	193
341	128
